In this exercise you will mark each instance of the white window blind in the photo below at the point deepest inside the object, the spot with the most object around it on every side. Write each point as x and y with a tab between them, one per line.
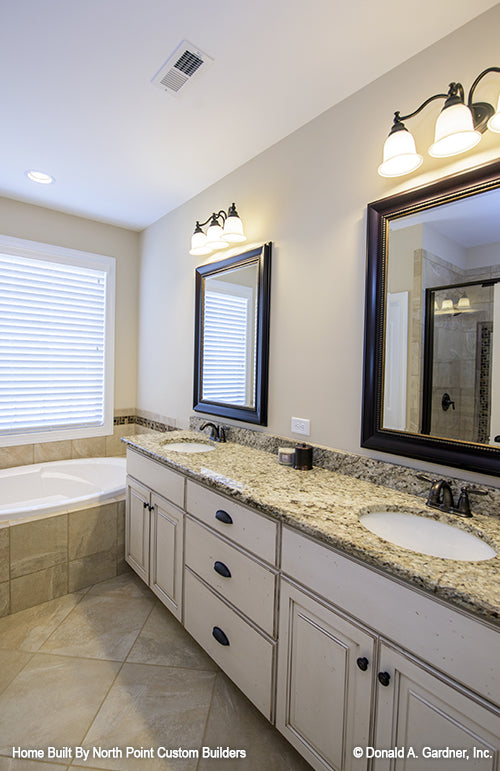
228	350
54	338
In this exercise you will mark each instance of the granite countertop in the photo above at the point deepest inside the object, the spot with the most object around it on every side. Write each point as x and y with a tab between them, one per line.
326	505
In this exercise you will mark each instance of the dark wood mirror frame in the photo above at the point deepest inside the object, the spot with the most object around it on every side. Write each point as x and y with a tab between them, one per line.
460	454
260	256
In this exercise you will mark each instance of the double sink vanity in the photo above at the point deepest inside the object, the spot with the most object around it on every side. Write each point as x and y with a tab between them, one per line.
341	638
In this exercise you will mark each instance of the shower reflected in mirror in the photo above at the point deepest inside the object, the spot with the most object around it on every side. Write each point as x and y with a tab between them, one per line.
458	361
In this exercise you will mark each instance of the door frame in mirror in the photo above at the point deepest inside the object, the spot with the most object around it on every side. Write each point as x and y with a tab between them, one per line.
260	256
456	453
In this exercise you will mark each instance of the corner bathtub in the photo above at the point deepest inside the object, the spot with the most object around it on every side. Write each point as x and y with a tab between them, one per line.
65	485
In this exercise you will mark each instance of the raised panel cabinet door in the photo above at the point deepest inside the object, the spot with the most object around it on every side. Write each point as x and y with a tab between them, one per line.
166	553
425	720
325	675
137	518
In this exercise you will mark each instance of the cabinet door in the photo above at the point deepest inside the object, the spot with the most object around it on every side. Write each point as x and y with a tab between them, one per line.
324	694
137	517
166	553
419	713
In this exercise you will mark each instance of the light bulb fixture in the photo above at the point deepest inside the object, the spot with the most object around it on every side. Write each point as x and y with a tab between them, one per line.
458	128
223	229
39	176
463	303
447	306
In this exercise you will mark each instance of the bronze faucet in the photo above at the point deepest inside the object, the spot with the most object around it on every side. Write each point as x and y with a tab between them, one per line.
217	433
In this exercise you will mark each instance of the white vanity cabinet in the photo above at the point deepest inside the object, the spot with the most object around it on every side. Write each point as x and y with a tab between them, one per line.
341	655
154	528
432	674
230	585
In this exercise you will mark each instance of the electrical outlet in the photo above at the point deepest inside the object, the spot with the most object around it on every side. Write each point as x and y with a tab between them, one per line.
301	426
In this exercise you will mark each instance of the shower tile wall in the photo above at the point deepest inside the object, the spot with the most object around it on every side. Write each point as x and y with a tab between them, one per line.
457	369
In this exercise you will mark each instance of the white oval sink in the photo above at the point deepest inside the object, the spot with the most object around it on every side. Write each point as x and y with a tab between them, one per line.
427	536
188	447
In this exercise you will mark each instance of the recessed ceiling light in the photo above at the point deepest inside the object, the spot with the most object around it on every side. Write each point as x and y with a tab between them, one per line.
39	176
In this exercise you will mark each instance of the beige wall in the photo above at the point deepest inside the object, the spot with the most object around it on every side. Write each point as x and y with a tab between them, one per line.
308	195
52	227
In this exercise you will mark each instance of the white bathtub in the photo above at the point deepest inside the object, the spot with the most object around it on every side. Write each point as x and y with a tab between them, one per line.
65	485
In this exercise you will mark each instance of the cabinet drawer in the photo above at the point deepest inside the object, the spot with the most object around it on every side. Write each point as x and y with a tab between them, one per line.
247	658
246	527
156	476
250	586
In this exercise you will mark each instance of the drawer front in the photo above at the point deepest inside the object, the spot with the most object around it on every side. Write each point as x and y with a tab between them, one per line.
159	478
244	526
248	657
239	578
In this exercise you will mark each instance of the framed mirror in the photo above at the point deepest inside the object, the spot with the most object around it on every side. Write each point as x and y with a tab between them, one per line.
231	350
432	323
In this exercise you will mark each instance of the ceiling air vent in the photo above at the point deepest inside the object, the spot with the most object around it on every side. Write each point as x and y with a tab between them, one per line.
184	65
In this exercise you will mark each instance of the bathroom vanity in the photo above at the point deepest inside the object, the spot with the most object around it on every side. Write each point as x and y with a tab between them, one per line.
339	638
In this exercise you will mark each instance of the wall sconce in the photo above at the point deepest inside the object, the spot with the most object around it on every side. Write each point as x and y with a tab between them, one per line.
218	236
458	128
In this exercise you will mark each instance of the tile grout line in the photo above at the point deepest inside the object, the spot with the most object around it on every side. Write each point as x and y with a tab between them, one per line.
112	682
208	715
30	654
92	721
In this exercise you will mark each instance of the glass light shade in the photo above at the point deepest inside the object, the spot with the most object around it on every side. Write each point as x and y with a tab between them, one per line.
199	243
201	250
494	121
400	155
214	237
214	233
233	230
454	132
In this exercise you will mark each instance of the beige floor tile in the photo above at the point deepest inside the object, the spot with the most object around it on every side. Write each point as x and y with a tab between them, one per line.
52	701
28	629
164	641
100	627
11	663
126	585
91	768
151	706
20	764
234	722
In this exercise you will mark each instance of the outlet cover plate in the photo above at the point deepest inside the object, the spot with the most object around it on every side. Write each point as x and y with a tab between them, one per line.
301	426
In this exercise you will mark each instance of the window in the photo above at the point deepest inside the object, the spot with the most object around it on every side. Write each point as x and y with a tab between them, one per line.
56	343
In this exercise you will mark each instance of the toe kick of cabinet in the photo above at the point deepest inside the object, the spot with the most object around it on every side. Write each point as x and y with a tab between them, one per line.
245	655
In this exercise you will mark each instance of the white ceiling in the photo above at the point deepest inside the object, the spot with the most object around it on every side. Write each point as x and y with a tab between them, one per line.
77	100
